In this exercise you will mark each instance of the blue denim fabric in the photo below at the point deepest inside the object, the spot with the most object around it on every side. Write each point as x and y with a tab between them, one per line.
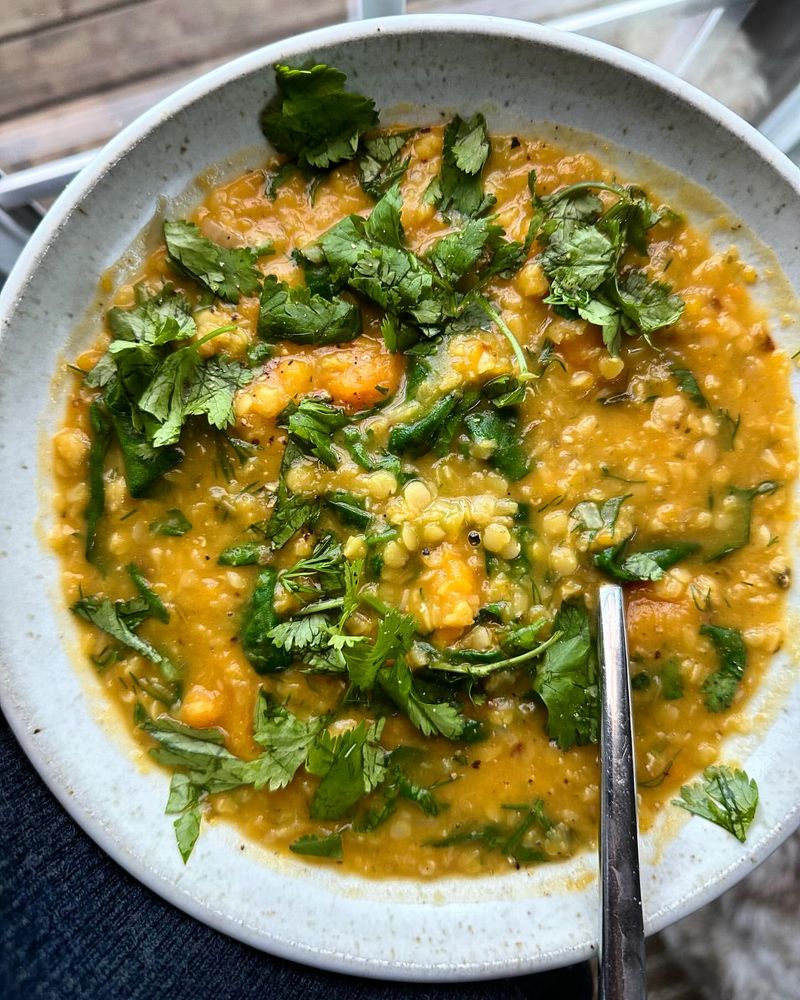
74	925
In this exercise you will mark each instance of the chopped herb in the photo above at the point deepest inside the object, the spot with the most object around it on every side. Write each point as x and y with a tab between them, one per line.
350	765
229	272
742	516
244	554
364	659
297	315
727	797
509	455
321	573
522	842
566	681
444	718
155	605
688	383
314	119
380	164
459	186
592	518
174	523
720	686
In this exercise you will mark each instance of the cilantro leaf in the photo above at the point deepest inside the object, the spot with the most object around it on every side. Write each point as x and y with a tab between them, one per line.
583	249
311	424
648	564
383	224
308	631
720	686
244	554
444	718
185	385
591	518
314	119
459	186
742	516
229	272
380	164
453	256
297	315
351	765
364	659
727	797
320	573
566	681
285	739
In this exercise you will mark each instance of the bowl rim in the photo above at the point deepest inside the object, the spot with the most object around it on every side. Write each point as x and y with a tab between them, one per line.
59	215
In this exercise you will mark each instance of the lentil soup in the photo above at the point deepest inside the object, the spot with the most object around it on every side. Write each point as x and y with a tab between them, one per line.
337	484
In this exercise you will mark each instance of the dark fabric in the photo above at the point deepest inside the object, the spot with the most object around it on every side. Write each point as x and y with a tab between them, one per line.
74	925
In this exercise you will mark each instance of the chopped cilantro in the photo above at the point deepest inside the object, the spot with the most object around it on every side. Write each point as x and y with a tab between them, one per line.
459	186
173	523
648	564
229	272
725	796
566	680
297	315
314	119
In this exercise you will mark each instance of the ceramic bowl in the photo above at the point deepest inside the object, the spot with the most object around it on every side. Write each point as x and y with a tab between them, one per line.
418	69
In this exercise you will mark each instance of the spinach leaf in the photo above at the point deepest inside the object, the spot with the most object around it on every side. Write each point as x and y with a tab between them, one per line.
314	119
228	272
349	508
318	846
297	315
260	617
509	455
417	437
244	554
727	797
720	686
566	681
144	464
648	564
312	424
521	842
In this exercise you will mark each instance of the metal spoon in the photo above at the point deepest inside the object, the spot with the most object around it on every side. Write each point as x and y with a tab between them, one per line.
622	964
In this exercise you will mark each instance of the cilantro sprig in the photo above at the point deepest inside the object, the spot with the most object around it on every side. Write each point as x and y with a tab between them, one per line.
726	796
584	246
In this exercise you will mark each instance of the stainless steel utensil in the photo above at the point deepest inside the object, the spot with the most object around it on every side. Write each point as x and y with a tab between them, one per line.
622	963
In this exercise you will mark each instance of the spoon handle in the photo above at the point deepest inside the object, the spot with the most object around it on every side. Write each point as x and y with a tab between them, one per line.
622	963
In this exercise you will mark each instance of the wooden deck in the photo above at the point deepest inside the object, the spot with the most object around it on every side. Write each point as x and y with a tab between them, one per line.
73	72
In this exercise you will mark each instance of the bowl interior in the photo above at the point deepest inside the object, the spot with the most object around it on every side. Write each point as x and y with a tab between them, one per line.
418	69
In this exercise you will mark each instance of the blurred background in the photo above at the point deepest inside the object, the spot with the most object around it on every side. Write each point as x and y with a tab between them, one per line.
73	72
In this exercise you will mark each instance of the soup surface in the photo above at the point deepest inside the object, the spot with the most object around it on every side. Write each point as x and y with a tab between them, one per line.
355	616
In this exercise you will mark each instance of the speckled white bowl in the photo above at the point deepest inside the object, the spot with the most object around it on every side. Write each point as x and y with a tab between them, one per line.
521	76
